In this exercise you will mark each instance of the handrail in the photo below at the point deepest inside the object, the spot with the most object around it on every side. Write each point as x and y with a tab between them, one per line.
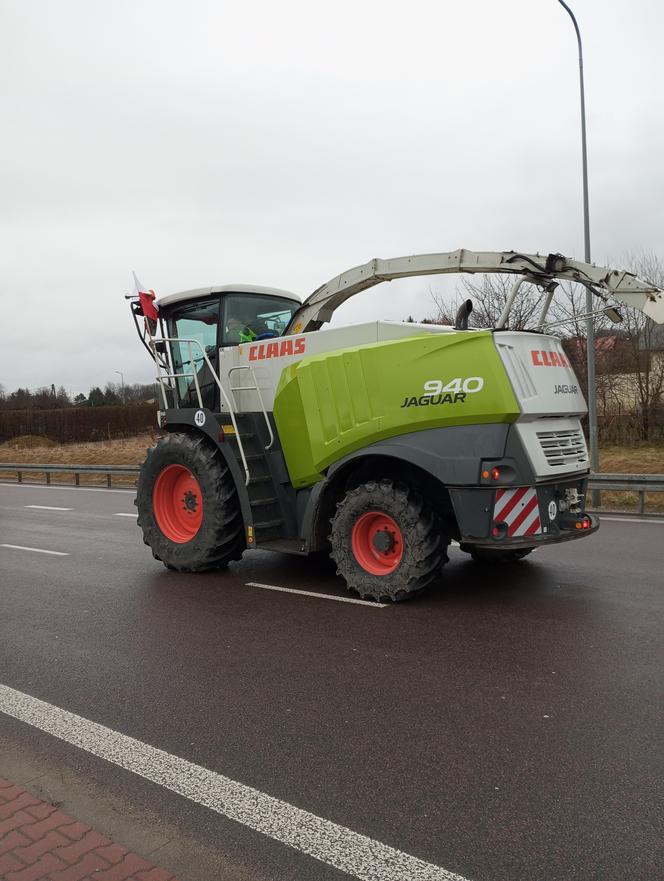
231	412
251	388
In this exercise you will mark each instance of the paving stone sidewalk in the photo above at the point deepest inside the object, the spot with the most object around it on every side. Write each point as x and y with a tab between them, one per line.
40	843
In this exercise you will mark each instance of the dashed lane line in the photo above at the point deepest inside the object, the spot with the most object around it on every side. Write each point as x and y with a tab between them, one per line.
35	550
319	596
48	508
125	515
338	846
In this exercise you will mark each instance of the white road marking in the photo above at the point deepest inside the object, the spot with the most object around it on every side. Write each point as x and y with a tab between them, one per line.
35	550
125	515
348	851
319	596
48	508
78	489
606	519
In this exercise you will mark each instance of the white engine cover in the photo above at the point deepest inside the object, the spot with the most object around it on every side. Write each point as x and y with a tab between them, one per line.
551	402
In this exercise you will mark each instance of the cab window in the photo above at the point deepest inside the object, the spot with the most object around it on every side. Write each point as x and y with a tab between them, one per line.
199	322
249	317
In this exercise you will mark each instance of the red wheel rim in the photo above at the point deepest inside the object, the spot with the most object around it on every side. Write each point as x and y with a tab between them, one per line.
178	503
377	543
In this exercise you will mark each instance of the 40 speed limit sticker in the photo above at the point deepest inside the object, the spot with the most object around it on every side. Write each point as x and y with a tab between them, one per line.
436	392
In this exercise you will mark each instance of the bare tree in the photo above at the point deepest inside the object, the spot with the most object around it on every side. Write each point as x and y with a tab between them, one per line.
489	294
629	357
644	376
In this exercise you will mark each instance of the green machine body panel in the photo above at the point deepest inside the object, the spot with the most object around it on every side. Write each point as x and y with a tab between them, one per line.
332	404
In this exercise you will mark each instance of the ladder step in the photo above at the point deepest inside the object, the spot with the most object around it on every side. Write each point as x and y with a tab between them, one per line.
255	457
268	524
285	546
260	502
266	479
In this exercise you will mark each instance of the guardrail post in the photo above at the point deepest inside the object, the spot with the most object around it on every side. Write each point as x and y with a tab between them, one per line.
48	476
77	479
20	476
642	501
108	479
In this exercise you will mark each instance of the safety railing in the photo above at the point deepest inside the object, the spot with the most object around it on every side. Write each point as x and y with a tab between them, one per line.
109	471
165	378
251	388
638	483
635	483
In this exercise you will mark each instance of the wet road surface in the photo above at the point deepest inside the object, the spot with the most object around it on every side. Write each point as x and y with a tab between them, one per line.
505	725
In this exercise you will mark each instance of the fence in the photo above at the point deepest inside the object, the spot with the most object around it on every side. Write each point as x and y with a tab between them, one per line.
638	483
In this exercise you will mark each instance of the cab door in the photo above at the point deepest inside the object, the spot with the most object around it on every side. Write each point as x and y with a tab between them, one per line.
197	321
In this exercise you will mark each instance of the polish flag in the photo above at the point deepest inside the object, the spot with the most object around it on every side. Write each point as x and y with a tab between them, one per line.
146	298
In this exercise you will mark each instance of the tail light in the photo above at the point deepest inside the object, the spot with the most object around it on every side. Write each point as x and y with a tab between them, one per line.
499	531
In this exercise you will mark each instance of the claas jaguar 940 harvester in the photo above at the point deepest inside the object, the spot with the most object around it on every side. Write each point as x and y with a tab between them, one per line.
378	442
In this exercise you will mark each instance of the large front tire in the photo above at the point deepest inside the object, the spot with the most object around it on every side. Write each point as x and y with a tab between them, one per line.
188	506
386	541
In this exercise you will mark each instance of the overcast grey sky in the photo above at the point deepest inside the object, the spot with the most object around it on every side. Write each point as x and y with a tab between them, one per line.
283	142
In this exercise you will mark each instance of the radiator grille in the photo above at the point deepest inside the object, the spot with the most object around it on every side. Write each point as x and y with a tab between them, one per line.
563	447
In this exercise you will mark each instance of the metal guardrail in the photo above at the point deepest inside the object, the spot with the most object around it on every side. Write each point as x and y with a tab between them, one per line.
639	483
109	470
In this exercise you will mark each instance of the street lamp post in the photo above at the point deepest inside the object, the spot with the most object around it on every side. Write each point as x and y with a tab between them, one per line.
123	385
590	327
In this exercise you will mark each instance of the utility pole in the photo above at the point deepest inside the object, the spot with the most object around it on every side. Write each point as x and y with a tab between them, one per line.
590	326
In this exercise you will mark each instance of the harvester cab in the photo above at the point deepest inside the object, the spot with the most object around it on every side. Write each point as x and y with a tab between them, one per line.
379	442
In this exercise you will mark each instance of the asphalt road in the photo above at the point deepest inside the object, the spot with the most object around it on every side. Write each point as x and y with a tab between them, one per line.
505	726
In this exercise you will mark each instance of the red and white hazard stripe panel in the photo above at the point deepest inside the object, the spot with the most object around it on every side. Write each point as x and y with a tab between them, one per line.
519	509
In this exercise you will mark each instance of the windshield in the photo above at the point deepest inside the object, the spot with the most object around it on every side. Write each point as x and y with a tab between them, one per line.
248	317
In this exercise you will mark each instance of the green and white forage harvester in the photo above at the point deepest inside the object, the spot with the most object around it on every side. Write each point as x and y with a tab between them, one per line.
378	442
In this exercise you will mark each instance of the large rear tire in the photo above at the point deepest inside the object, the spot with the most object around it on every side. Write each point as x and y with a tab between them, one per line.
188	506
386	541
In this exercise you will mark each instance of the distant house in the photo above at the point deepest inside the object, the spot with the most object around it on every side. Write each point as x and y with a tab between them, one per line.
611	351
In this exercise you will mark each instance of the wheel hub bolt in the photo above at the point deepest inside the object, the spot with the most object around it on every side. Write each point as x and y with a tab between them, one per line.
383	541
190	501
